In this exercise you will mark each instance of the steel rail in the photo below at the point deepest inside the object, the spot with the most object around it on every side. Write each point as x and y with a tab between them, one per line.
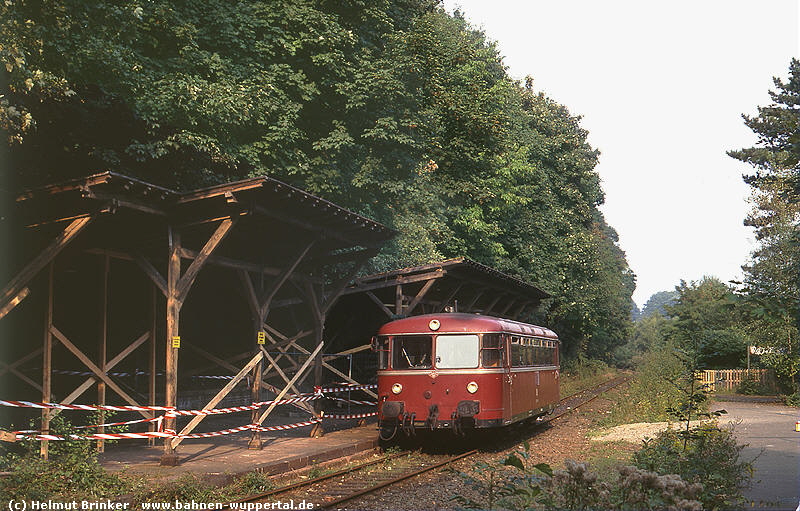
596	391
309	482
395	480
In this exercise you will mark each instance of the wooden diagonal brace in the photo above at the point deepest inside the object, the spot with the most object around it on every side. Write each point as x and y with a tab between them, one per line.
12	368
334	370
289	385
96	370
420	296
186	281
14	289
153	273
219	397
86	385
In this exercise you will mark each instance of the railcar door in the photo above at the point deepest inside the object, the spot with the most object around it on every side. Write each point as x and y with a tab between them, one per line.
508	382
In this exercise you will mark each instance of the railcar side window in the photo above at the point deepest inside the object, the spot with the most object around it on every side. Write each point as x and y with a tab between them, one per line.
492	350
381	345
412	352
457	351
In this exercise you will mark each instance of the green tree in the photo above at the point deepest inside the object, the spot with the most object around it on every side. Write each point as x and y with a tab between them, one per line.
708	324
657	302
771	289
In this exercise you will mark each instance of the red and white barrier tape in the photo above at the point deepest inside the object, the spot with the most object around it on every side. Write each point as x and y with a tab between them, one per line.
313	420
244	408
350	416
349	387
96	436
353	401
91	408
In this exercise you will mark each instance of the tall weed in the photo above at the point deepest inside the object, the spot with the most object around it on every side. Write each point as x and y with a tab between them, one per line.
651	393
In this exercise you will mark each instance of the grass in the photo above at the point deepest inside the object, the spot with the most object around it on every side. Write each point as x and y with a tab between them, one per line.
581	374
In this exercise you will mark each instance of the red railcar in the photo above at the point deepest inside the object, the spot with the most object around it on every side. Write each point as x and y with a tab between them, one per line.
463	371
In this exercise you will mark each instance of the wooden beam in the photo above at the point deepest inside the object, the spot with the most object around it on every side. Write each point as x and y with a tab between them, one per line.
249	293
450	297
93	368
489	307
172	332
86	385
291	382
152	272
338	287
217	398
270	292
5	309
357	349
12	366
103	344
336	371
420	295
274	363
472	302
187	279
47	361
13	289
380	304
398	299
235	264
507	307
359	287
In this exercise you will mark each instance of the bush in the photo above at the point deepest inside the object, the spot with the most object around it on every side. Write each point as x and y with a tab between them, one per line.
72	469
577	487
711	457
751	386
517	483
792	399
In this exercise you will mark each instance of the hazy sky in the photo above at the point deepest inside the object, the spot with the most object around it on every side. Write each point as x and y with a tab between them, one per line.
661	87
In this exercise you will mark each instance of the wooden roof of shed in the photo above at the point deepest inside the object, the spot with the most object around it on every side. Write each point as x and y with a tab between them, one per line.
262	197
461	268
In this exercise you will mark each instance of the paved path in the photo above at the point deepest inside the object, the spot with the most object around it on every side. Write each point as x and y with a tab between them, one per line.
769	429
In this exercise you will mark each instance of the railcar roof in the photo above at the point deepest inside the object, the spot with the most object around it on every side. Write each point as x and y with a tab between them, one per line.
459	322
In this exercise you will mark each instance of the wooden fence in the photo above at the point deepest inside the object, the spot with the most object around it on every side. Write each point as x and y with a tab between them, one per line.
730	379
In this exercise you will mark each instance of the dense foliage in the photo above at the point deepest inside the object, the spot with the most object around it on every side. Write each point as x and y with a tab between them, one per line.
392	108
771	291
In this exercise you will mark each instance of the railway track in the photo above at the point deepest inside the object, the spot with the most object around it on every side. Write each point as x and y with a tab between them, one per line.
336	488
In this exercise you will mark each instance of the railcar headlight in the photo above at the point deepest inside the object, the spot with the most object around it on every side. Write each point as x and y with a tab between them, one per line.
397	388
472	387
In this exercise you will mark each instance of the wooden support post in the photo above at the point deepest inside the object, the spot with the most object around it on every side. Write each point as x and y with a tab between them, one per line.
169	457
103	347
47	360
255	437
471	305
178	287
398	299
151	366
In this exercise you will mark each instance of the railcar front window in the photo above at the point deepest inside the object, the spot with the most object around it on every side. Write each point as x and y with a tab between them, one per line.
412	352
457	351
